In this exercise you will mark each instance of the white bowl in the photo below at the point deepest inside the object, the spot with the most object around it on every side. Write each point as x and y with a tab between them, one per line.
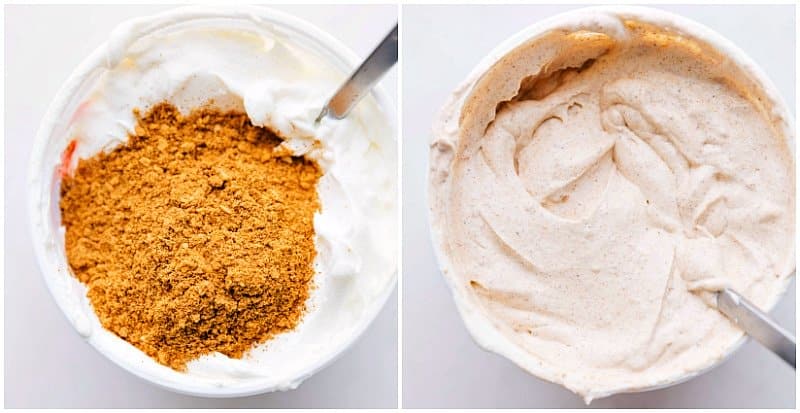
477	323
47	233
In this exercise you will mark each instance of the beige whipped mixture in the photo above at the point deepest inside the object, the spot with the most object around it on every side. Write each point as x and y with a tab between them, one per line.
591	216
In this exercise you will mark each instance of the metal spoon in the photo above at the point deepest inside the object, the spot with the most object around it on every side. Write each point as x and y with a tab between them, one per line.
363	79
757	325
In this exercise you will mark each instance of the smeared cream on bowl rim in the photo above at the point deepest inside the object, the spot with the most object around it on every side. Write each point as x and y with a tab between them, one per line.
279	70
552	213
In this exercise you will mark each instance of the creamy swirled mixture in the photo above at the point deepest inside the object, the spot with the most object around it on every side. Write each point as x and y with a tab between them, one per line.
589	213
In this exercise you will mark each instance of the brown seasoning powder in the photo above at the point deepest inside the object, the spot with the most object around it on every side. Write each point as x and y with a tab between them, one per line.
196	236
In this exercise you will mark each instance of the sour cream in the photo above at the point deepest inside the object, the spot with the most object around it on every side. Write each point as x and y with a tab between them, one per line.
594	183
279	71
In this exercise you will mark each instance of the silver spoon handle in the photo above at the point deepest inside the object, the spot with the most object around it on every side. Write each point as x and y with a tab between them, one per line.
364	78
757	325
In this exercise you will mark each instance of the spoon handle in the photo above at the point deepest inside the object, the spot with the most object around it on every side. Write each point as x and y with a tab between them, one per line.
757	325
364	78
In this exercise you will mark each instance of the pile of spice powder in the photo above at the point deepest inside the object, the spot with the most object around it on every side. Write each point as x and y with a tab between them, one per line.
196	236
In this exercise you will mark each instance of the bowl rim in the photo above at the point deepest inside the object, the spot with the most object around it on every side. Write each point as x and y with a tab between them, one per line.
258	15
474	320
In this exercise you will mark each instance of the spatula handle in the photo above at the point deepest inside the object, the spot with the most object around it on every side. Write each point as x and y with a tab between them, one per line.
757	325
364	78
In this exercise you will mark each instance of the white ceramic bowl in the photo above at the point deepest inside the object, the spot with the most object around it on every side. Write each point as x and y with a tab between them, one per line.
476	322
47	233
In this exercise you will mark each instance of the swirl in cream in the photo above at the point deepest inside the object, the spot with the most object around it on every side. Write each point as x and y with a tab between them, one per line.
595	189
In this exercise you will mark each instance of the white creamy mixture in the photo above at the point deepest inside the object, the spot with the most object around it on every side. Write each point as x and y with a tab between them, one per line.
235	60
594	187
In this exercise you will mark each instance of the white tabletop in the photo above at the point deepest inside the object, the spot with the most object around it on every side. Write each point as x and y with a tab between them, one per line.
46	363
442	366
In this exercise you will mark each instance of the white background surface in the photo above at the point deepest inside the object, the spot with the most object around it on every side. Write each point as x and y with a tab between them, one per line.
442	366
46	363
